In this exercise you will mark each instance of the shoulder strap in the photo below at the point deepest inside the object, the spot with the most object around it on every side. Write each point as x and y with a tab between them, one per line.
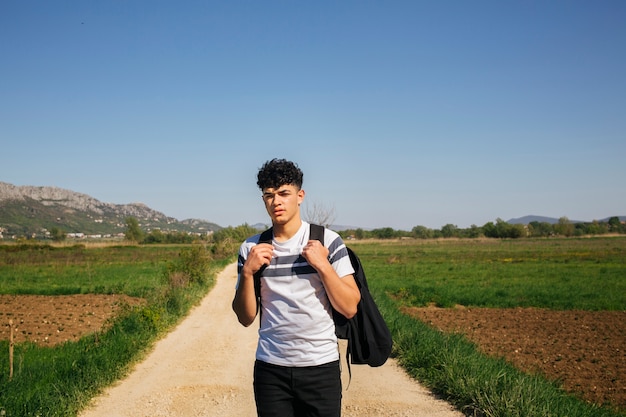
266	237
317	232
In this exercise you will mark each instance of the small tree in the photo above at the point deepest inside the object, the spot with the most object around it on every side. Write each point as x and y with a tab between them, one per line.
133	231
489	230
57	234
226	241
384	233
450	230
615	225
422	232
474	231
319	214
155	236
564	227
194	262
541	229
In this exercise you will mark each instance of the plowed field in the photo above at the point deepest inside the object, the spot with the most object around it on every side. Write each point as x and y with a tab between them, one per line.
584	350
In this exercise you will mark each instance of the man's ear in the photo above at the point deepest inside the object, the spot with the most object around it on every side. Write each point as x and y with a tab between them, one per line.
301	194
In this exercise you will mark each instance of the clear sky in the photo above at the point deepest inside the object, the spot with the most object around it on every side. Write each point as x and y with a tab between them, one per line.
400	113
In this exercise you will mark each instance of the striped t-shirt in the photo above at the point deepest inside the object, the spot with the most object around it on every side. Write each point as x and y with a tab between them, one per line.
297	328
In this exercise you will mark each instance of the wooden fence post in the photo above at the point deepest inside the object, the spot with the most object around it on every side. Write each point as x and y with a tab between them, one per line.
10	349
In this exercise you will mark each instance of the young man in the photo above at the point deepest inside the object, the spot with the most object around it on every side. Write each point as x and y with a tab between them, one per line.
296	372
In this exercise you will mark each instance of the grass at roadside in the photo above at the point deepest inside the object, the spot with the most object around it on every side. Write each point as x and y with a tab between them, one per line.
557	274
60	380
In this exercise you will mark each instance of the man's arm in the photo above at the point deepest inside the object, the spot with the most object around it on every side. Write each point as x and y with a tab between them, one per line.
343	292
245	303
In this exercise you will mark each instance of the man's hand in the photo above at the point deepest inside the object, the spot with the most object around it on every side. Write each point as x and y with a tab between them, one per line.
259	256
316	254
245	303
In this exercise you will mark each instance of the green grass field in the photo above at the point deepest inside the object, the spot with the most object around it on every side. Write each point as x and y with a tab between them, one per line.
56	270
558	274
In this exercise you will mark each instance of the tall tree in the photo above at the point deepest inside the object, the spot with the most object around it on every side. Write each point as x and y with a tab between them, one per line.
422	232
615	225
450	230
564	227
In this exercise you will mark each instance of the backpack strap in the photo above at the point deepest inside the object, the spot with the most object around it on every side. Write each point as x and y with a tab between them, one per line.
266	237
316	232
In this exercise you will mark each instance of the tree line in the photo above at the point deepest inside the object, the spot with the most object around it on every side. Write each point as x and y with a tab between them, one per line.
498	229
230	237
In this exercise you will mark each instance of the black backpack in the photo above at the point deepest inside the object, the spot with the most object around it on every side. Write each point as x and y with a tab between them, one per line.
369	338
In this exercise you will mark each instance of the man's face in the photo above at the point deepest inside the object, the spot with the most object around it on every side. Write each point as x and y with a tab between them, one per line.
282	203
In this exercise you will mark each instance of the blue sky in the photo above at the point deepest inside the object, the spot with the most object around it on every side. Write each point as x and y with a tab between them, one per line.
400	113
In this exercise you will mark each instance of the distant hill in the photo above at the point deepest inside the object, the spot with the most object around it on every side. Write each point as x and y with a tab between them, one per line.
553	220
533	218
31	210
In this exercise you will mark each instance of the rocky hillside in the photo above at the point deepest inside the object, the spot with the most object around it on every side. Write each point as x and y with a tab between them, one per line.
32	211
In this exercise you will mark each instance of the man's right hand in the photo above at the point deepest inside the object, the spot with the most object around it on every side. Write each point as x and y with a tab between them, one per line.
260	255
245	304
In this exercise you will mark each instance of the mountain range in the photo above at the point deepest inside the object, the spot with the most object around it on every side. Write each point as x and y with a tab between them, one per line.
34	210
552	220
31	211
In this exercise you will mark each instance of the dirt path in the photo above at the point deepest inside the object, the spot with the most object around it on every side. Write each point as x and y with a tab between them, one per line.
204	368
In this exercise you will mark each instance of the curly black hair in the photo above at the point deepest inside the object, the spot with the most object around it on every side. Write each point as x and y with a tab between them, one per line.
279	172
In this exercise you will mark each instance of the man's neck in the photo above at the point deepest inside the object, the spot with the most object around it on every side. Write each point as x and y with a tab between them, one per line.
283	232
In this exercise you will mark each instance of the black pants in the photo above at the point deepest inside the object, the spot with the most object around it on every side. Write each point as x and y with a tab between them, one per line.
312	391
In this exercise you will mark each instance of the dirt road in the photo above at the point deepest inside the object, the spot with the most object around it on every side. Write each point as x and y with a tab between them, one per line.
204	368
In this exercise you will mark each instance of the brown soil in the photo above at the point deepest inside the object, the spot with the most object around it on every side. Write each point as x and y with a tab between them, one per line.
50	320
584	350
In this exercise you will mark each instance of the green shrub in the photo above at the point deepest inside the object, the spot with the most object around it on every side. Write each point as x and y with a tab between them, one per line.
227	241
193	263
